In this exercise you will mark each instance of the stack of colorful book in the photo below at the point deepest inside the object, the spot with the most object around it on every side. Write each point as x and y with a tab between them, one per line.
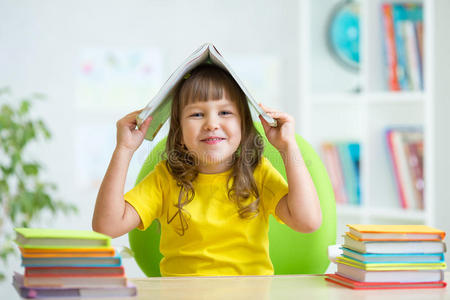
391	257
69	263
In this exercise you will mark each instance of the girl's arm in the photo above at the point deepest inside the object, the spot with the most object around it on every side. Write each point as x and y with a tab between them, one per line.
300	208
112	215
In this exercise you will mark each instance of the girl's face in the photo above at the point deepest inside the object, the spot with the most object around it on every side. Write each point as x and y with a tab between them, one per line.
212	131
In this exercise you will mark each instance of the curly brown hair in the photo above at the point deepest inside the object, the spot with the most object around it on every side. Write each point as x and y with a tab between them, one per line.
204	83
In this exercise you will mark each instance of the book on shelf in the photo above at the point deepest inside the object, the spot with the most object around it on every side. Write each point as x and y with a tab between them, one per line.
396	257
334	168
74	271
403	44
389	47
362	275
67	252
342	163
369	232
394	246
159	107
129	290
97	261
347	282
405	148
59	238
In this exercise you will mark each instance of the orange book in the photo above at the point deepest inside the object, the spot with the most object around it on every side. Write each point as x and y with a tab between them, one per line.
361	232
67	252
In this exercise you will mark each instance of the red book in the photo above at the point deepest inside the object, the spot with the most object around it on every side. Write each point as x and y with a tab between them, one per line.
400	188
74	271
332	164
358	285
389	41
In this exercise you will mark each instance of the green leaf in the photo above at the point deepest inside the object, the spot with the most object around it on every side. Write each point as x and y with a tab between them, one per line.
31	169
43	129
24	108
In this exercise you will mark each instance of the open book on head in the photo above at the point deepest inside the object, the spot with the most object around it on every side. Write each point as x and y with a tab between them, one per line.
159	107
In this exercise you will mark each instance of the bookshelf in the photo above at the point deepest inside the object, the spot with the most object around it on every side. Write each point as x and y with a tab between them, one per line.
339	104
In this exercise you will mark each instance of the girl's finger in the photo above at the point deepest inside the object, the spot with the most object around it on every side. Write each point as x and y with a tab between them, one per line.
145	125
264	123
268	109
134	113
279	116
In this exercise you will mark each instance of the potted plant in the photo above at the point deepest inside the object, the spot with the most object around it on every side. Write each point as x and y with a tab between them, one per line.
24	196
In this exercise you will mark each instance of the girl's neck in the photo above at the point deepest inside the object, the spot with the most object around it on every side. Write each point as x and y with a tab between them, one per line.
214	168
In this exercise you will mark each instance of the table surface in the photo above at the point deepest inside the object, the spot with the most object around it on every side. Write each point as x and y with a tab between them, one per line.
269	287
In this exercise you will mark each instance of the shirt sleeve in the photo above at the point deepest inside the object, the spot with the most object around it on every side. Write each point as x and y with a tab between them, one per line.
273	187
147	196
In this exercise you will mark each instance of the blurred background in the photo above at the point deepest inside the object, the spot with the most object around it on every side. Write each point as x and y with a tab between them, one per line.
376	111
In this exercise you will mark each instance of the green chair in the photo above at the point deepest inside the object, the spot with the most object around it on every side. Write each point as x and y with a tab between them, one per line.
291	252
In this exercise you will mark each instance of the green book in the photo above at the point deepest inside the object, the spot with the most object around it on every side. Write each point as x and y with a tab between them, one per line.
60	238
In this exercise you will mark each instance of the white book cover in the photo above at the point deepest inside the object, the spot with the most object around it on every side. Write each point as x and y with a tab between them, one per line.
412	54
394	246
159	107
389	276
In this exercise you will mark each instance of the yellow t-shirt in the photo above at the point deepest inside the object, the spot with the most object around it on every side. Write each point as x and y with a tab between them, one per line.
217	241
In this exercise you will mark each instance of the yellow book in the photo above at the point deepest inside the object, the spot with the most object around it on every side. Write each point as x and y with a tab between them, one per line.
395	233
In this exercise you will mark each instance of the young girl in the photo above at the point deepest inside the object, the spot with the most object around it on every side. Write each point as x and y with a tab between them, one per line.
214	192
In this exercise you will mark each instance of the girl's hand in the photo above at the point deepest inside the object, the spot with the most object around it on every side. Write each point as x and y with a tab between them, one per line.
282	136
128	136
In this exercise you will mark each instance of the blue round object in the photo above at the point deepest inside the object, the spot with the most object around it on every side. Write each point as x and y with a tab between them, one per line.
343	33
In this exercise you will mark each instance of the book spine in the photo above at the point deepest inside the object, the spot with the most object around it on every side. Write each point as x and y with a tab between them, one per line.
411	54
353	149
400	143
416	172
349	173
74	271
399	15
334	171
389	43
395	167
339	173
418	26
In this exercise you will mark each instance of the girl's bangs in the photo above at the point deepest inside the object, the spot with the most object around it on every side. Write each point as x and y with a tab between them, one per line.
205	86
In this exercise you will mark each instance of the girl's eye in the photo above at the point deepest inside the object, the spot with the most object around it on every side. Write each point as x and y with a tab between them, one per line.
224	113
196	115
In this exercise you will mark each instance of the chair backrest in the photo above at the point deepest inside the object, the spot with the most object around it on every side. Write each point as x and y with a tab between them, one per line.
291	252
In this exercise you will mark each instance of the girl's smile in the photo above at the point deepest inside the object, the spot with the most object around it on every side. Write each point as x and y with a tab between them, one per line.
212	140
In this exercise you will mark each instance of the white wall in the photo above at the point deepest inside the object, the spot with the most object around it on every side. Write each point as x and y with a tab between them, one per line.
41	41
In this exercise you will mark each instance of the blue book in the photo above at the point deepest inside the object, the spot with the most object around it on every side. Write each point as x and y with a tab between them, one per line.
399	15
353	149
394	257
348	170
102	261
